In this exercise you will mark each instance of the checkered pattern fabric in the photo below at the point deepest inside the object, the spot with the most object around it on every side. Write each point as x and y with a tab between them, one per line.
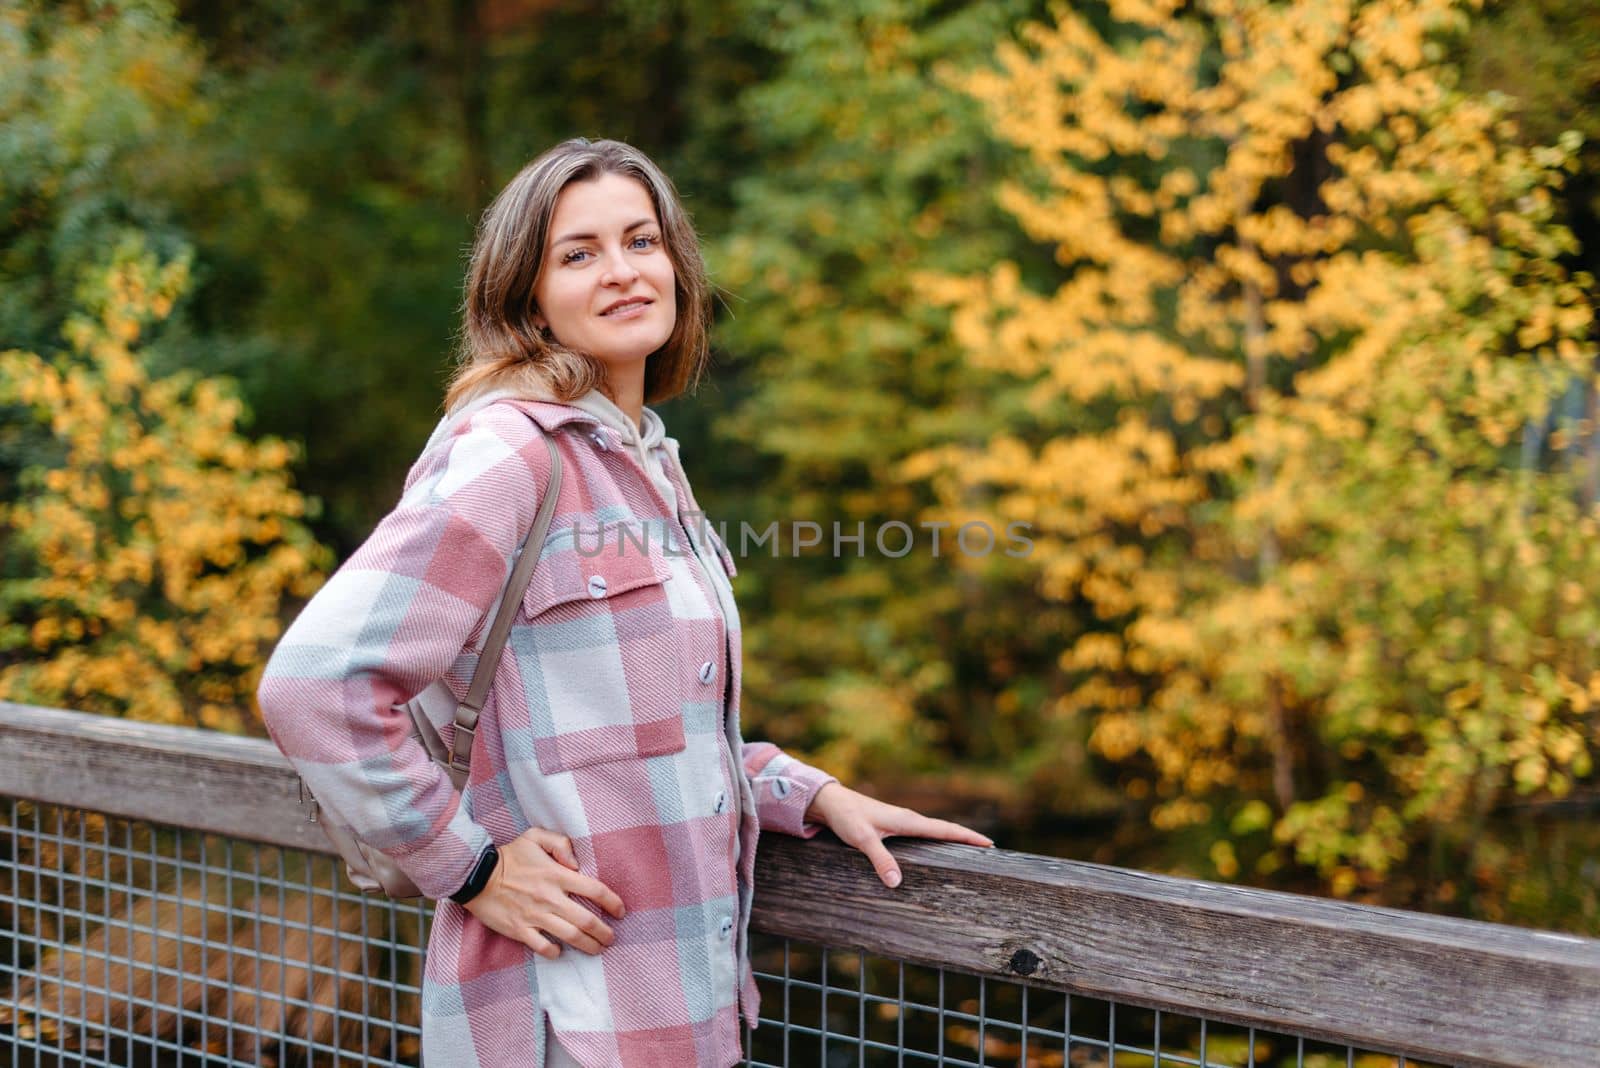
614	719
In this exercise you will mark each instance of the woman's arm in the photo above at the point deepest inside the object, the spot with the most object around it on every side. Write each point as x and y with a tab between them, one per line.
391	620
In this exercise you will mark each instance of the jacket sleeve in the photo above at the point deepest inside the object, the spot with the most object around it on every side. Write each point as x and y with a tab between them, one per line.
784	788
388	623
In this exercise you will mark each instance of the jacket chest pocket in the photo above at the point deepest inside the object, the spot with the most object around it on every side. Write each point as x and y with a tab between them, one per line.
598	652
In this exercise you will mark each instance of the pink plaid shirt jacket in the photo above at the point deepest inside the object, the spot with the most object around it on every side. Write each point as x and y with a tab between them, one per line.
613	719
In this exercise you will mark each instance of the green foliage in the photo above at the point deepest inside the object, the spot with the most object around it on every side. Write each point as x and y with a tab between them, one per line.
1544	55
352	152
94	116
874	167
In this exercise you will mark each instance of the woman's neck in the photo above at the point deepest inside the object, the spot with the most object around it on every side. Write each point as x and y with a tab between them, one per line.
626	391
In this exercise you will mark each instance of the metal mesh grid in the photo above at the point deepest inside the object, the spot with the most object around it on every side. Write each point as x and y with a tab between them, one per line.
123	943
129	944
838	1008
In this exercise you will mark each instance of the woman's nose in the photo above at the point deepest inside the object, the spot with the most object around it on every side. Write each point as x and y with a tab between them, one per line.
618	271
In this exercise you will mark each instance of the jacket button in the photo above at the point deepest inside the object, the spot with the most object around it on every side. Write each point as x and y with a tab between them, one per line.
597	586
726	928
780	788
599	440
721	804
708	671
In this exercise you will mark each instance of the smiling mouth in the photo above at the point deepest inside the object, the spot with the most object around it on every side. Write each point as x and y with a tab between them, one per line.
626	307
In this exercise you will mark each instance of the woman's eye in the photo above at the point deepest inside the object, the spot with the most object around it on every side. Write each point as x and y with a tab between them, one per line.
646	240
572	257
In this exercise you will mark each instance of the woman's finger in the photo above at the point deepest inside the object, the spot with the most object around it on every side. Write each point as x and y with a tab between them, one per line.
958	833
573	935
573	911
950	832
596	891
587	922
534	940
907	822
556	844
882	862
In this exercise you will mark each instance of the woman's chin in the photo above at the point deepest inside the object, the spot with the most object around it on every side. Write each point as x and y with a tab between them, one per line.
619	358
632	350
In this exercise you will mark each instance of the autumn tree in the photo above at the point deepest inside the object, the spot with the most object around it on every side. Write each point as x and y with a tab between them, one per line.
152	546
1293	443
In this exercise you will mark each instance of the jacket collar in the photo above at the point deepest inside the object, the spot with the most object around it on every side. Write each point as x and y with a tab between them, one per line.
551	415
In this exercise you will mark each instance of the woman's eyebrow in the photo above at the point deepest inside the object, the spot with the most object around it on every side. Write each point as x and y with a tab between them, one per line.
592	237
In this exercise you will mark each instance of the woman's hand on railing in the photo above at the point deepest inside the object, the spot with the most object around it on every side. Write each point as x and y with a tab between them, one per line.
529	897
865	822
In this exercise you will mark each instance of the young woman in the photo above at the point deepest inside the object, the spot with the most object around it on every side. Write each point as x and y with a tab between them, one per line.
594	879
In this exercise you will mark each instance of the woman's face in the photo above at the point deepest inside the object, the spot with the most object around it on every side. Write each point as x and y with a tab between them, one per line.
606	286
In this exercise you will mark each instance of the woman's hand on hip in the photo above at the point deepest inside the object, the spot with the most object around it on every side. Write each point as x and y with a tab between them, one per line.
865	822
529	897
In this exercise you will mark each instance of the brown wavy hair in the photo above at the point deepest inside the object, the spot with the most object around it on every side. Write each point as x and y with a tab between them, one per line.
501	348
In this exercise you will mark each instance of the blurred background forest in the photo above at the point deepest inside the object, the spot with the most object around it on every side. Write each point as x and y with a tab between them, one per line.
1273	319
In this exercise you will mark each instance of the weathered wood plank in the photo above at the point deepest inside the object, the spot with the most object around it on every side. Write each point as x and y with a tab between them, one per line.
206	780
1436	988
1432	987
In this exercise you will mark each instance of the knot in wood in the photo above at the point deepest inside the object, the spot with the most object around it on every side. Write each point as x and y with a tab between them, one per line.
1024	962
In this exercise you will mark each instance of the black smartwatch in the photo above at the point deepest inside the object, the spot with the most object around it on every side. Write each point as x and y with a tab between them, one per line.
479	877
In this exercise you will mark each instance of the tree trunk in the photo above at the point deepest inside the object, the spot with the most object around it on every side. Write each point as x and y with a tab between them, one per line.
1591	439
1268	552
470	83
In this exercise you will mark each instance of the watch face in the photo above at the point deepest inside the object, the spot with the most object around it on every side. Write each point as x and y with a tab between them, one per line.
478	878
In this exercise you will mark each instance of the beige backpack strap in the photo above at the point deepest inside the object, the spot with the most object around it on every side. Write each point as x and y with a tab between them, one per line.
521	574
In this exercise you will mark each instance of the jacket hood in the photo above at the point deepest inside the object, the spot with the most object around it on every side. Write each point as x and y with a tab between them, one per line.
642	438
550	413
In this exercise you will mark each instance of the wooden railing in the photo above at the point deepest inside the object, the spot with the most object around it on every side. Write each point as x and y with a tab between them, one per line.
1438	989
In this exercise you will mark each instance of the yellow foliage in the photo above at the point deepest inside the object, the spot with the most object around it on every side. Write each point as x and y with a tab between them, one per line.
155	543
1310	306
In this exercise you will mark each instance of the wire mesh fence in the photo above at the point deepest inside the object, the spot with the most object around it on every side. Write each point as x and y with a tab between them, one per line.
130	944
836	1008
124	943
